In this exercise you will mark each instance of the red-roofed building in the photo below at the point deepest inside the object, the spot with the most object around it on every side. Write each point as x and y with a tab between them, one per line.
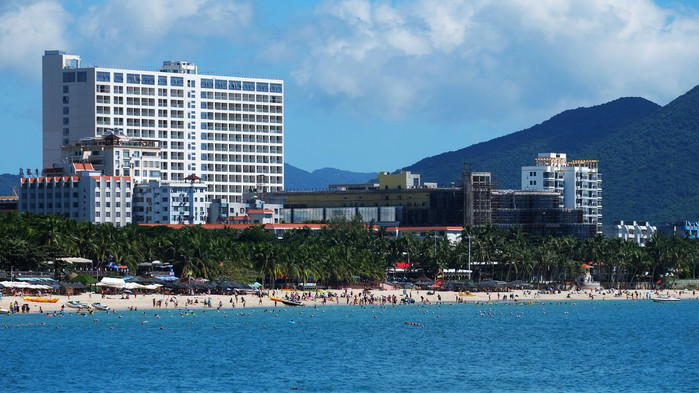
84	195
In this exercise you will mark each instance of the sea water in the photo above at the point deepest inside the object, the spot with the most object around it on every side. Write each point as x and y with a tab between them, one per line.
553	347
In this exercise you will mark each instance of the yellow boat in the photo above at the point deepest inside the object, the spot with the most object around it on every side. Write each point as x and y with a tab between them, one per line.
40	299
466	294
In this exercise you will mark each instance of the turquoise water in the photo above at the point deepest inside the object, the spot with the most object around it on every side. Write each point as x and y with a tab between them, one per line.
593	347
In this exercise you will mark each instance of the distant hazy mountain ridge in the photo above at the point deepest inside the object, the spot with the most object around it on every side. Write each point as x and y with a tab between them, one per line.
298	179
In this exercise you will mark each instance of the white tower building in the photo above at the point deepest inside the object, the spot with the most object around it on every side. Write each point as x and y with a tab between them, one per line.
229	131
579	182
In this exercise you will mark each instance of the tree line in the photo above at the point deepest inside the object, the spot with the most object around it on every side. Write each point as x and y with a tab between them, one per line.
341	252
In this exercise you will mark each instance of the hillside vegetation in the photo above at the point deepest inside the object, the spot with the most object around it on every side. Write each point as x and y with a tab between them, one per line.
644	152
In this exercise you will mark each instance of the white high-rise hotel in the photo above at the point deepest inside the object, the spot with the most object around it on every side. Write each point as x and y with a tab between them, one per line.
227	130
578	181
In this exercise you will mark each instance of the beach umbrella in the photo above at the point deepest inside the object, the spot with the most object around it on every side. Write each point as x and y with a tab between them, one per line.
74	285
224	285
183	285
84	278
256	285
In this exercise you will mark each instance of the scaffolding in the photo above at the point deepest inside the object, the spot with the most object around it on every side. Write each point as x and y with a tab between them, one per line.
477	192
538	212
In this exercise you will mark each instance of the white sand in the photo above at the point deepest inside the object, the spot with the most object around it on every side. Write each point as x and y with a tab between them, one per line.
145	301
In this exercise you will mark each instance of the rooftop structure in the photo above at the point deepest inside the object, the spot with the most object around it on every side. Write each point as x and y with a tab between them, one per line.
118	155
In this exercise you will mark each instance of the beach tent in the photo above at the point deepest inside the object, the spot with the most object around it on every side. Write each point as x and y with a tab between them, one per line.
111	282
24	285
73	285
76	260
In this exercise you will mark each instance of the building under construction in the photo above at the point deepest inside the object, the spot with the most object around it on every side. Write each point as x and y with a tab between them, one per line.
477	189
538	212
402	200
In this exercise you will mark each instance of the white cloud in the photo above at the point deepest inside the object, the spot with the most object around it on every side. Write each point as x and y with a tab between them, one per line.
455	60
142	26
27	28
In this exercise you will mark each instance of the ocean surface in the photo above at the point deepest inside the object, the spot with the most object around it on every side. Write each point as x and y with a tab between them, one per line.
602	346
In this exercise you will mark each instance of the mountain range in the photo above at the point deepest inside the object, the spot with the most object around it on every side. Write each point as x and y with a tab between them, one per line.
645	153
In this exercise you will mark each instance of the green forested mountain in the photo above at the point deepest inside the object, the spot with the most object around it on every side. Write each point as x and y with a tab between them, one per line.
7	183
645	155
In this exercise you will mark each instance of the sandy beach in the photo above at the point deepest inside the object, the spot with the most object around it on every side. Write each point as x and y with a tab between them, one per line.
148	301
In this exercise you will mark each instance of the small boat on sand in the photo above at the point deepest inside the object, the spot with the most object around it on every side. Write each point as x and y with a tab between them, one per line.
76	304
292	302
100	306
286	301
664	299
4	311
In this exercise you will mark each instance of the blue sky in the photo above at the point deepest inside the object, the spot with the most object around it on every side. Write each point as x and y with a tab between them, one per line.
370	85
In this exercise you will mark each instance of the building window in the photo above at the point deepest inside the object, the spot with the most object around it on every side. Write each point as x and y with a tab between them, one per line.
234	85
148	79
65	89
102	76
207	83
66	110
133	78
262	87
82	76
162	81
65	100
97	204
275	87
176	81
249	86
66	121
69	77
66	131
221	84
